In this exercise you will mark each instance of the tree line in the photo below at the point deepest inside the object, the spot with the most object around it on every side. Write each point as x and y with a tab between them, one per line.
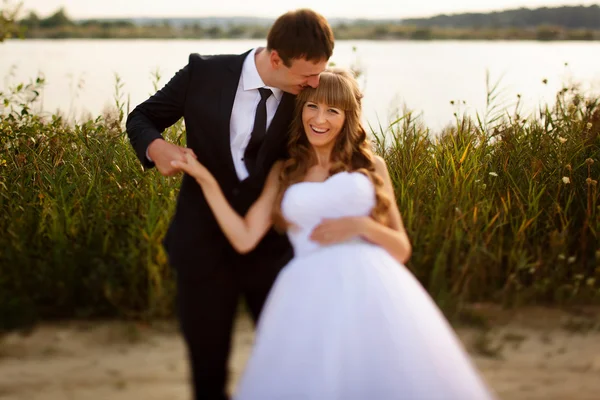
561	23
577	17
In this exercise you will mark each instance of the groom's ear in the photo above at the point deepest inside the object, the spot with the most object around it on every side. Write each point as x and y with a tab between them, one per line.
275	59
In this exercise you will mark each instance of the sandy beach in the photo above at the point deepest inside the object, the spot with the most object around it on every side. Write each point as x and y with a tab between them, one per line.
529	354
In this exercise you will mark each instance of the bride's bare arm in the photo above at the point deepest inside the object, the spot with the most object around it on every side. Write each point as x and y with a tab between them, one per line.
243	233
392	238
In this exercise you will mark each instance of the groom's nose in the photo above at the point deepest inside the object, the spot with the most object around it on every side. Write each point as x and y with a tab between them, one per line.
313	81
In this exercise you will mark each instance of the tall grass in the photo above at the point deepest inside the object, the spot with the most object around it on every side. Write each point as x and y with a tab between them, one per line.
504	209
81	222
498	208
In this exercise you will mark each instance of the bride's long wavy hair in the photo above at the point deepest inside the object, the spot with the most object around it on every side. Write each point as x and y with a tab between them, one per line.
351	151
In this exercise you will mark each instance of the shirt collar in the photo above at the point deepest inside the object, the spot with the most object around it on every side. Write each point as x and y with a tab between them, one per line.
252	80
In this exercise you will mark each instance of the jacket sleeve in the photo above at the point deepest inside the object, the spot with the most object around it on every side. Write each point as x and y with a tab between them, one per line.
149	119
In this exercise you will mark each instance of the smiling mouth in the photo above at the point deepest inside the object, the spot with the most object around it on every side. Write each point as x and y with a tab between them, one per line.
319	131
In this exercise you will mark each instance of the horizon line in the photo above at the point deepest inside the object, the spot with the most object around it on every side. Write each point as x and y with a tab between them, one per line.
386	18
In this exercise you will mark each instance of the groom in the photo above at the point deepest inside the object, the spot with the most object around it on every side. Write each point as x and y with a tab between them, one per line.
237	109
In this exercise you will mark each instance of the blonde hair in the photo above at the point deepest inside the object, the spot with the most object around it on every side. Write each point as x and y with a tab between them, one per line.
351	151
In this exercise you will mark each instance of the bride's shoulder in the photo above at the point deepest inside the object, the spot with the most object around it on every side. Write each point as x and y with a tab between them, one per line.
276	168
380	165
274	174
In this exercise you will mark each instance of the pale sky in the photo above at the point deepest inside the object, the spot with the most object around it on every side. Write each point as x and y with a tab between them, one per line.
79	9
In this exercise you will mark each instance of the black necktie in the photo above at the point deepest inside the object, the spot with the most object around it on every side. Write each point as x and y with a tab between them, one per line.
259	131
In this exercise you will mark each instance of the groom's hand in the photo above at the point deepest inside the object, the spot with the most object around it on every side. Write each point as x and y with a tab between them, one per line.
339	230
162	153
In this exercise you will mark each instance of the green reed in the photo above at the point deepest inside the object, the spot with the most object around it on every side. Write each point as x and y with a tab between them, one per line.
498	209
82	223
506	211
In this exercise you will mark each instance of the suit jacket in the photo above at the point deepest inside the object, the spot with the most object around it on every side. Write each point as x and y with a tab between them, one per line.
203	93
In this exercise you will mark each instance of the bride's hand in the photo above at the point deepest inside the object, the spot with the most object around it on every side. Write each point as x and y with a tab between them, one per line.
192	167
339	230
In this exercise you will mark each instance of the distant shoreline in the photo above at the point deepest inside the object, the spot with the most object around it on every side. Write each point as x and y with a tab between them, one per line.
378	33
577	23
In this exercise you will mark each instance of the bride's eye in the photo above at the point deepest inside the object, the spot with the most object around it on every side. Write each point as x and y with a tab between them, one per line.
311	105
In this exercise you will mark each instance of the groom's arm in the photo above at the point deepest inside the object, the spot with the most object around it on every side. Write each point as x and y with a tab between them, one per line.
148	120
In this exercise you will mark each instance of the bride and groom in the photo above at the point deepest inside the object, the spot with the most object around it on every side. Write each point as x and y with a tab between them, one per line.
274	140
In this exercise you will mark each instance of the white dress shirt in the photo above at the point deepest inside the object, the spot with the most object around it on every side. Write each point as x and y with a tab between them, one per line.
244	110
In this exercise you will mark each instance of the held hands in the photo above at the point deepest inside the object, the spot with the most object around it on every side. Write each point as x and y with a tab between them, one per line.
332	231
192	167
163	153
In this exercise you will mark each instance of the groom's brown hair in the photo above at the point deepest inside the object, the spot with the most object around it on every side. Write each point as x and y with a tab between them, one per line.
301	34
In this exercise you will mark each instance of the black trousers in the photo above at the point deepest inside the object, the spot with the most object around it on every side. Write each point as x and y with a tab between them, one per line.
207	305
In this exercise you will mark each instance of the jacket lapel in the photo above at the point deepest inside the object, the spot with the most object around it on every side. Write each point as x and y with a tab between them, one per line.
233	73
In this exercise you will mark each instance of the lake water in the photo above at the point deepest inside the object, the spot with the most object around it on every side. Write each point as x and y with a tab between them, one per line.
423	76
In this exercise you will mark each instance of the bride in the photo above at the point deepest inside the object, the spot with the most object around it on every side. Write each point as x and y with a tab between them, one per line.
345	319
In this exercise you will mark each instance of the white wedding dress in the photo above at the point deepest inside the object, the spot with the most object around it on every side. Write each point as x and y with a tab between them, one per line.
347	321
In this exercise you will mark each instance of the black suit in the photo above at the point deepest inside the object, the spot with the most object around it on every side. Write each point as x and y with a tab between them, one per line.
210	274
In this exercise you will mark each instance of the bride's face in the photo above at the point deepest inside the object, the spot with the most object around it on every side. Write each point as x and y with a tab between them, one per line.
322	123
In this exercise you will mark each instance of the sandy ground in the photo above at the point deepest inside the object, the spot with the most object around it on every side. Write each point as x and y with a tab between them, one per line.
529	354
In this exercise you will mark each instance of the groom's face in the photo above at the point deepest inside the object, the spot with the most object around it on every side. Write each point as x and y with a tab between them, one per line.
300	74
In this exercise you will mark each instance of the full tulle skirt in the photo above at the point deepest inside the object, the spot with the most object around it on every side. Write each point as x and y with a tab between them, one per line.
349	322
